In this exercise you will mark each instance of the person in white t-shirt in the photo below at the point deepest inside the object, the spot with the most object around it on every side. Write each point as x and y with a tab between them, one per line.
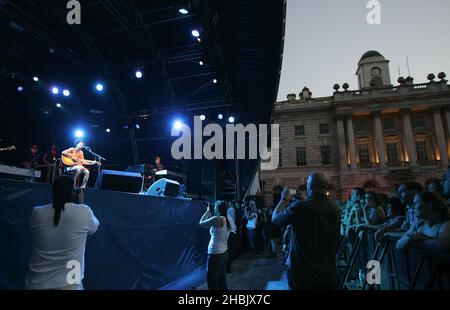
59	231
220	226
251	214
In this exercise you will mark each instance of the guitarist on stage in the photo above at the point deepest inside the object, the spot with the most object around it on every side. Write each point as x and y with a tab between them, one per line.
77	156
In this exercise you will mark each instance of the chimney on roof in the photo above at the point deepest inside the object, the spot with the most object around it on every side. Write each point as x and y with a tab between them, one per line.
291	97
305	94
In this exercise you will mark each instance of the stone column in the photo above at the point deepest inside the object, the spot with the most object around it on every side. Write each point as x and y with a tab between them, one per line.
341	140
440	137
351	141
379	138
408	137
447	120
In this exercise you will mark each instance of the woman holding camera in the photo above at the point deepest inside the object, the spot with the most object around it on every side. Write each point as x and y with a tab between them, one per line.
220	226
58	232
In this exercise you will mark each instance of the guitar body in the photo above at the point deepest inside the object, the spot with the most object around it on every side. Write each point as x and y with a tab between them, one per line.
69	162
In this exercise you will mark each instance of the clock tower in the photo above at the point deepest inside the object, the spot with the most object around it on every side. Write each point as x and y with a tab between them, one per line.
373	71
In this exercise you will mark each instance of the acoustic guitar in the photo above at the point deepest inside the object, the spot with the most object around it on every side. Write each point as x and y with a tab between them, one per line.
9	148
69	162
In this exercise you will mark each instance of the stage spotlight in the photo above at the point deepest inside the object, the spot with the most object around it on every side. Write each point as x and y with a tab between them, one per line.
220	116
231	119
36	79
108	130
183	11
66	93
201	63
58	105
99	87
215	81
139	74
79	133
20	89
138	126
202	117
195	33
178	125
55	90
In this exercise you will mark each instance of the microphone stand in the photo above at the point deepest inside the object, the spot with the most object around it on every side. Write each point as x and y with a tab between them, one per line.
97	156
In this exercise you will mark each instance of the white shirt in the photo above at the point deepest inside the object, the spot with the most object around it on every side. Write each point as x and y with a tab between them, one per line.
231	214
218	244
54	246
251	223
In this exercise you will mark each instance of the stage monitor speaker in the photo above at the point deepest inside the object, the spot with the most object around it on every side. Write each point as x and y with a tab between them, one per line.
164	187
120	181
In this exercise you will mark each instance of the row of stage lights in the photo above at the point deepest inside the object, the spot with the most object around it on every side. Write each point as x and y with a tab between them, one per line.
100	87
178	124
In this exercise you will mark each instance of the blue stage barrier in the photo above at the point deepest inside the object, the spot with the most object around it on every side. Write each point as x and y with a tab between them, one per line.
143	242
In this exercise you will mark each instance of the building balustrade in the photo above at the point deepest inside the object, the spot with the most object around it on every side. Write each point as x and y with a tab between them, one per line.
428	163
398	164
368	165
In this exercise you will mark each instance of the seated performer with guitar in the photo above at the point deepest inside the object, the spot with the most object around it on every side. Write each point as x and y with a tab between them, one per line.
73	158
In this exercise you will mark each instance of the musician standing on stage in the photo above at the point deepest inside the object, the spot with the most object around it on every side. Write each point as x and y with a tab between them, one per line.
77	155
33	158
150	172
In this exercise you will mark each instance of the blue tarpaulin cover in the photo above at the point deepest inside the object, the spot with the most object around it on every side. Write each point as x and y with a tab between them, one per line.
143	242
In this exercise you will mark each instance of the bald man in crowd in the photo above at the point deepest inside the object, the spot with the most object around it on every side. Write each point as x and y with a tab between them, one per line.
314	237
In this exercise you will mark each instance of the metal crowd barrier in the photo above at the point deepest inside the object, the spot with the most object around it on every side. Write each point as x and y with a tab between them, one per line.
413	269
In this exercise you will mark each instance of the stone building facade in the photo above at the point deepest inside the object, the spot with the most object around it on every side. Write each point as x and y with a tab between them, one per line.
375	137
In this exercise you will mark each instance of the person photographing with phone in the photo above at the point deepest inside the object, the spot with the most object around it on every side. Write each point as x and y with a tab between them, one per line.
313	238
220	226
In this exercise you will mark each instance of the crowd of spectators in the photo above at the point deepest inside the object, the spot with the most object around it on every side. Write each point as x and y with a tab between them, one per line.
418	216
309	230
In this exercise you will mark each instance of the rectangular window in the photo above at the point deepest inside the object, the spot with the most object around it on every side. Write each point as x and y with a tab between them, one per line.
392	152
300	130
326	155
388	124
418	122
362	126
324	129
301	156
364	157
422	150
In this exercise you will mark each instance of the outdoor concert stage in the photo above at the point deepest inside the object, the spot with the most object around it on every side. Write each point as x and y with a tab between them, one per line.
143	242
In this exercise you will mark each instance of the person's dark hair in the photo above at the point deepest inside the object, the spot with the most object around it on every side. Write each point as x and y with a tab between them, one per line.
383	198
78	141
397	206
223	208
436	204
62	194
375	196
359	191
437	182
157	157
413	186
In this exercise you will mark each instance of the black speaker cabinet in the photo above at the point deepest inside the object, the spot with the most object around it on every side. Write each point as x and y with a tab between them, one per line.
120	181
